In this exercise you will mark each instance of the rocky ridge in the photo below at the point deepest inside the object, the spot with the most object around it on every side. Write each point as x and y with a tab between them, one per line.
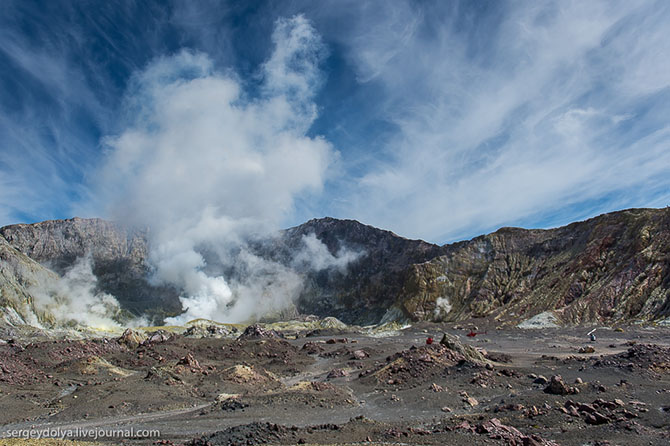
614	267
611	268
118	259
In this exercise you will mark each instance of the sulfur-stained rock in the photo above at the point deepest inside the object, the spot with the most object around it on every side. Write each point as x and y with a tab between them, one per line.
132	338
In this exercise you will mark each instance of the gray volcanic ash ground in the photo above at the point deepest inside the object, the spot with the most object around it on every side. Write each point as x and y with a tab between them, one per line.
292	383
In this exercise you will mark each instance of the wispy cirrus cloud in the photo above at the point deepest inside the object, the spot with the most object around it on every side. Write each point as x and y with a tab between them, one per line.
62	72
514	114
452	118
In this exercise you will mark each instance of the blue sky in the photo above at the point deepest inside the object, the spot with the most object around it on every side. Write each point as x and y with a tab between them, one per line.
437	120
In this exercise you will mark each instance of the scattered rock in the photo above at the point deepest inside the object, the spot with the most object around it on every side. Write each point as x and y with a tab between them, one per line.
131	338
359	355
470	353
157	337
510	435
649	358
312	348
541	380
508	408
257	331
337	373
596	418
472	402
557	387
599	412
232	404
503	358
209	331
189	361
587	408
436	388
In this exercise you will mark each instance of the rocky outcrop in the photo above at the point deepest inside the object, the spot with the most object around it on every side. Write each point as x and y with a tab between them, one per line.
256	331
19	274
364	290
470	353
614	267
59	243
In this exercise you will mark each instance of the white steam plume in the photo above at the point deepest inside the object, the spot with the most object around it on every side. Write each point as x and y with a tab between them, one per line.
315	255
73	299
206	166
261	287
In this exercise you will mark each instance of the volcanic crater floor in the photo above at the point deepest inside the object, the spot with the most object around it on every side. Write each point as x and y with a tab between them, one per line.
499	387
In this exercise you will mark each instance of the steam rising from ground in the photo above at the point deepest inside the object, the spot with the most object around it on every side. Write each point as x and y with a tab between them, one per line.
442	308
74	299
207	166
263	288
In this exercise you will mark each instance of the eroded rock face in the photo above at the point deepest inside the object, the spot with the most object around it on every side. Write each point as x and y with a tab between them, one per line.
362	291
18	274
609	268
59	243
614	267
118	255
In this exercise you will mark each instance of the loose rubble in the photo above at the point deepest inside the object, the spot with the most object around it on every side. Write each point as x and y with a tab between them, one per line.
455	392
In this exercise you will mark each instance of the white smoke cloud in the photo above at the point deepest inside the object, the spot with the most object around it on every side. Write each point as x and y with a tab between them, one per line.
261	288
72	299
442	308
315	255
205	165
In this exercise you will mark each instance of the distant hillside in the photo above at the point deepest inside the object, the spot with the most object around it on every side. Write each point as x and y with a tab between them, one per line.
614	267
118	255
370	285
